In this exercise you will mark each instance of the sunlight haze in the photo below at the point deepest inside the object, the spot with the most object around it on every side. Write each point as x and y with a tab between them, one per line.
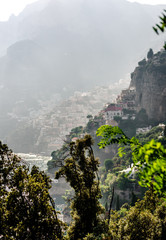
151	2
9	7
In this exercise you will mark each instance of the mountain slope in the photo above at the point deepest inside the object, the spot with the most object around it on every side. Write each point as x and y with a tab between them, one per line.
57	47
82	43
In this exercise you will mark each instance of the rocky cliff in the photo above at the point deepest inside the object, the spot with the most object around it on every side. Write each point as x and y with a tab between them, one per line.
149	80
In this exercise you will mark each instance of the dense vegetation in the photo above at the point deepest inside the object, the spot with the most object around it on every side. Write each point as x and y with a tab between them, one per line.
27	210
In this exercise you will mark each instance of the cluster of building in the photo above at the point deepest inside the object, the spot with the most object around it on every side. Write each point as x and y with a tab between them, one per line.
123	108
55	122
54	127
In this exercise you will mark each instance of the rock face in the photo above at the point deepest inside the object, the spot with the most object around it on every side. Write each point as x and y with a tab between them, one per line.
149	80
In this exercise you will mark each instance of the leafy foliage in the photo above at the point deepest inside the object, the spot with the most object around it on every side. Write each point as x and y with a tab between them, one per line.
80	170
75	132
145	220
108	163
123	182
26	212
149	159
111	135
161	26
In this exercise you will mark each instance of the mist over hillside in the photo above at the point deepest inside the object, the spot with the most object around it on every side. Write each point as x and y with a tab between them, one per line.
57	47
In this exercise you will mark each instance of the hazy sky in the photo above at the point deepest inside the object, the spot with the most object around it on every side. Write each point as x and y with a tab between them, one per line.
154	2
8	7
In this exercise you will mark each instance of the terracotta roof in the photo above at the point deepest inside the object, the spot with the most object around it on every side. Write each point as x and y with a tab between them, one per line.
113	108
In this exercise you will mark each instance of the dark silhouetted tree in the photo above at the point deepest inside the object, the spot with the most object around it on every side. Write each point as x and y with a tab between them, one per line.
108	163
26	211
80	170
133	198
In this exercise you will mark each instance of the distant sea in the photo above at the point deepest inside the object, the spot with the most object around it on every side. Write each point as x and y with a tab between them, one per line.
35	159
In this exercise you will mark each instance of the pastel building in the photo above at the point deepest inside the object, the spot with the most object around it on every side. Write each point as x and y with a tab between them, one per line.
112	111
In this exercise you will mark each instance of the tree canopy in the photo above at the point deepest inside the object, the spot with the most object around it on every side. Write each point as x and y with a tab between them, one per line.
25	208
80	170
149	159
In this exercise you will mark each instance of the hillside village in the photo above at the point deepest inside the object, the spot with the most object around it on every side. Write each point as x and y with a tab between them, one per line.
54	120
124	107
73	113
68	115
85	164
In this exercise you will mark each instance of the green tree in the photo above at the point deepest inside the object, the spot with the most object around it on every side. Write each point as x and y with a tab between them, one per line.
26	211
149	159
75	132
133	198
80	170
57	158
108	163
89	116
54	155
145	220
123	182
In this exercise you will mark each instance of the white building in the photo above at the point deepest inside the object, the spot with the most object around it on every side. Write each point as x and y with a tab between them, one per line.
112	111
